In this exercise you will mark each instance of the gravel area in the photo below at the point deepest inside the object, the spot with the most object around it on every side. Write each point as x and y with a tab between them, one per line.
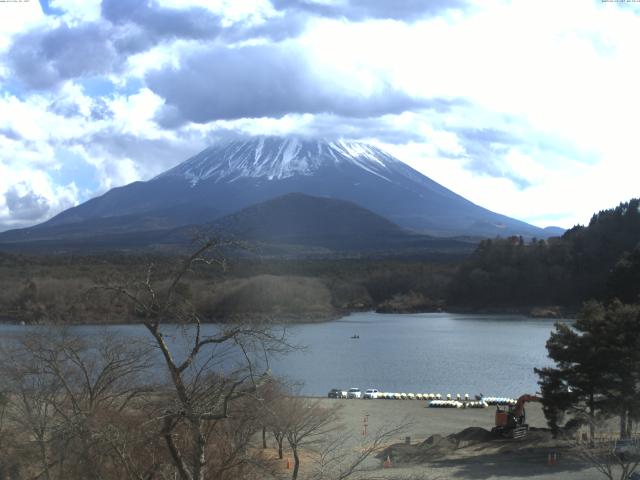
470	456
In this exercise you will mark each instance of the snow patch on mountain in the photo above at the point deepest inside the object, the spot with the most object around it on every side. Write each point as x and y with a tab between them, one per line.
275	158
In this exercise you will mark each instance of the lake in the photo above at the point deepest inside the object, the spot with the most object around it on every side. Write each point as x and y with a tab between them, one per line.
419	353
426	353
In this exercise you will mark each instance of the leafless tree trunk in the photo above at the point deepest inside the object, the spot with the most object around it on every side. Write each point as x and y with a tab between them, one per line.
272	413
264	437
307	423
203	391
279	437
3	415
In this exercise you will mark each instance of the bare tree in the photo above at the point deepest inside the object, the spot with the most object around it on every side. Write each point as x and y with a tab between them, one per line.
274	416
337	459
309	427
614	458
307	423
4	402
278	430
32	399
211	374
65	394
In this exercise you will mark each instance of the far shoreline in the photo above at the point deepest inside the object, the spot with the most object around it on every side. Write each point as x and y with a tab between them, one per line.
541	313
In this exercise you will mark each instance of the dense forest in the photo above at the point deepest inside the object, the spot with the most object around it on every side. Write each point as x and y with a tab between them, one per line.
600	261
74	289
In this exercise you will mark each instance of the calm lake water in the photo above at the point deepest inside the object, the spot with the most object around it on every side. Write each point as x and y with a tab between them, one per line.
426	353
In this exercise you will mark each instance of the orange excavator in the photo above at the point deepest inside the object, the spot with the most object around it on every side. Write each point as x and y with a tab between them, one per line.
511	422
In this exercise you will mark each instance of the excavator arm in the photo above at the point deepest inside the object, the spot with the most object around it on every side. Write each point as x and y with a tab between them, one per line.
512	423
518	409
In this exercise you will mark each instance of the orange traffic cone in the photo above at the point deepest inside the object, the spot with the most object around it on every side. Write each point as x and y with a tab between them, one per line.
387	462
288	464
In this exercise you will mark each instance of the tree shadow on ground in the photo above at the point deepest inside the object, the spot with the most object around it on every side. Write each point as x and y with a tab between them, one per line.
518	464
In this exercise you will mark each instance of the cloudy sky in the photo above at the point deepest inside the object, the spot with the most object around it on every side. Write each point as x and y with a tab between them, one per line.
528	108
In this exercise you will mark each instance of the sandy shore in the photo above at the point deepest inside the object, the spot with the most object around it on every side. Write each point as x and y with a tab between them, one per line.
504	459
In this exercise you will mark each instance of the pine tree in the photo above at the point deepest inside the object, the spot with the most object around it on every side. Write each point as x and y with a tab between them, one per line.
597	368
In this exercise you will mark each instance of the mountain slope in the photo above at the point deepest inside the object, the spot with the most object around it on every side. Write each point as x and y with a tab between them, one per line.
230	176
296	216
297	219
294	224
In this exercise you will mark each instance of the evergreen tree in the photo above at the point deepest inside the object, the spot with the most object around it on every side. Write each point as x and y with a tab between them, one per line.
624	280
597	366
600	261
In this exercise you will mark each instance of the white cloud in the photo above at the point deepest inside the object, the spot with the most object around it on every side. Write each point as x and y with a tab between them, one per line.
30	196
567	71
78	10
560	78
17	16
230	9
119	172
134	113
35	128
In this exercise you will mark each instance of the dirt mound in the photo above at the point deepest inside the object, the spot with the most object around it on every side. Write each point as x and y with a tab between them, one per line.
400	453
438	444
472	435
433	448
466	443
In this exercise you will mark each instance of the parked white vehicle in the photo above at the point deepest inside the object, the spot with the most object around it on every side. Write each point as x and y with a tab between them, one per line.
371	393
354	393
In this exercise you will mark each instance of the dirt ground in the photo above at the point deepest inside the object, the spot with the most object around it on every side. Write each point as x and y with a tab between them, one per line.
469	456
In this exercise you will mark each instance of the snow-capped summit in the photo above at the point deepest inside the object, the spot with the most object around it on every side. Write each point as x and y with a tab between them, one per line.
275	158
233	175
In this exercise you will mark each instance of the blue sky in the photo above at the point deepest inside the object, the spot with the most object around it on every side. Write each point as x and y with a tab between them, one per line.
526	108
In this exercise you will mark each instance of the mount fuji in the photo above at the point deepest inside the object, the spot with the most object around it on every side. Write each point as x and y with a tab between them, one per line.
233	175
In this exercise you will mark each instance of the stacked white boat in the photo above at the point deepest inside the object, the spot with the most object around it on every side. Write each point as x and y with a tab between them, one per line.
409	396
436	400
499	400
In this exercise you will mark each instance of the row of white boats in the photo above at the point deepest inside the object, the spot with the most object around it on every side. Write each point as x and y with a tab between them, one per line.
437	400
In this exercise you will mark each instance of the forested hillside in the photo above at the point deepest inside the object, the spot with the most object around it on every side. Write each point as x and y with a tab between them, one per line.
71	289
600	261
